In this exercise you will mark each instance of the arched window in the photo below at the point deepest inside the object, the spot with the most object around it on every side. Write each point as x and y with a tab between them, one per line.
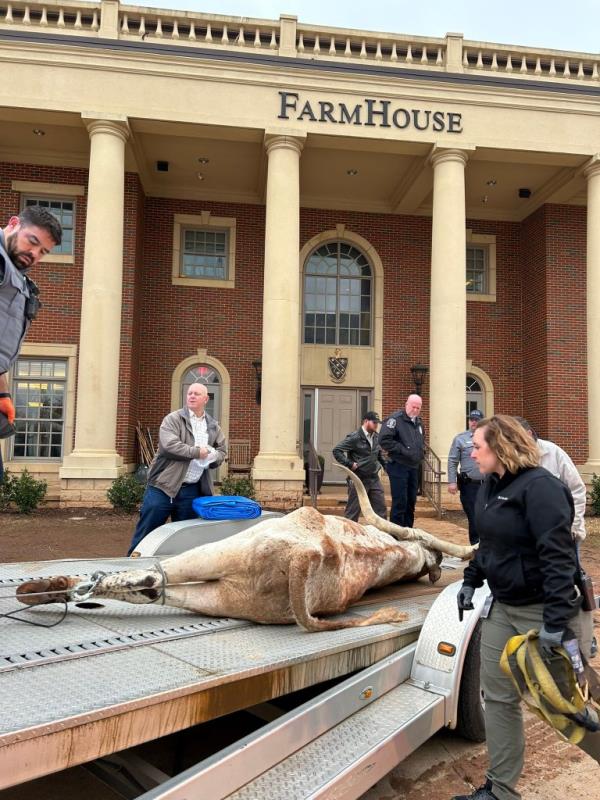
337	296
203	373
475	396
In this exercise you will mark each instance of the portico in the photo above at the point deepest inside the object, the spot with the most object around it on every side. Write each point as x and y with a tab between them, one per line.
330	217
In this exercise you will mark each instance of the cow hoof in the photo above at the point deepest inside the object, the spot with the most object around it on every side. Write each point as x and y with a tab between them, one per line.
435	573
44	590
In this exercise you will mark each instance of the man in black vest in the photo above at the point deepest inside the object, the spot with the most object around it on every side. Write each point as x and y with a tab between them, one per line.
360	452
403	439
23	243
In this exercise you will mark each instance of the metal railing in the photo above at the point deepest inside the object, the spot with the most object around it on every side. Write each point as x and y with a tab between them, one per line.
288	37
431	479
311	458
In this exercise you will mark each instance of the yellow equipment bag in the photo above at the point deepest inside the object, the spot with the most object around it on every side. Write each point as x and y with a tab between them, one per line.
570	710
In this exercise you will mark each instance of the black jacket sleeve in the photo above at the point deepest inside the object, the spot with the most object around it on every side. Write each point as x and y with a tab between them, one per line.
390	441
341	450
549	514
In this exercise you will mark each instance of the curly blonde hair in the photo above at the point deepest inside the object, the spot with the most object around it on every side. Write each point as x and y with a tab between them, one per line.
508	439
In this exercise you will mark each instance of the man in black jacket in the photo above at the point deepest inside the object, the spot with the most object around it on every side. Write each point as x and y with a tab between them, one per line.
360	452
403	439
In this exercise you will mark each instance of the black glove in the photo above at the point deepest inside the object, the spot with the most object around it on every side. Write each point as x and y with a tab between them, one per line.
548	641
465	600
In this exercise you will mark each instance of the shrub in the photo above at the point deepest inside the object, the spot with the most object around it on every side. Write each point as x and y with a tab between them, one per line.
6	485
125	494
595	494
26	492
239	487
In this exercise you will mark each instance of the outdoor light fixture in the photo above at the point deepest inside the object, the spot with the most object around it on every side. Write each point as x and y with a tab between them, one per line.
258	369
39	132
418	373
491	182
352	172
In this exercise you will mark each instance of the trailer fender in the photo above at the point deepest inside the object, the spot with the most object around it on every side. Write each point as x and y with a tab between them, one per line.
443	654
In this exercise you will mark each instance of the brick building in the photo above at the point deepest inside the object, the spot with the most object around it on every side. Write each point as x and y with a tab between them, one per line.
265	201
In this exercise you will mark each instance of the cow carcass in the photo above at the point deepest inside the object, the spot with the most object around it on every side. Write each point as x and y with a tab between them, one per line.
298	568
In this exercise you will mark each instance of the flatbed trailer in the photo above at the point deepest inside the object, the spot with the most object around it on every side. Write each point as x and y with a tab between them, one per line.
113	675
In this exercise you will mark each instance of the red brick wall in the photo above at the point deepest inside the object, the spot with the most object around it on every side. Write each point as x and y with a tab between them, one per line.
554	326
177	320
133	238
494	330
531	342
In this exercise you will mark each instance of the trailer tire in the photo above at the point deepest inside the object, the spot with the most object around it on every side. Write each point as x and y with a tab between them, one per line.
470	723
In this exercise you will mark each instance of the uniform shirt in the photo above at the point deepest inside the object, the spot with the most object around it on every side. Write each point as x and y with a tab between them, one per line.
460	453
555	460
198	465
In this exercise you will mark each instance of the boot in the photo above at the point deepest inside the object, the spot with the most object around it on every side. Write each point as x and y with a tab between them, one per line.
483	793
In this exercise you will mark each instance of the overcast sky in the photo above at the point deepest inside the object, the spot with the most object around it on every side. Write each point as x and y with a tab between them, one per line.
558	24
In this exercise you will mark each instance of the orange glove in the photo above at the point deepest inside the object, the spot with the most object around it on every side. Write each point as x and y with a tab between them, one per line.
6	407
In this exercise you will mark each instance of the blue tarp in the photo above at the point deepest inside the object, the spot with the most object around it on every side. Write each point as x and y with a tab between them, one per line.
226	507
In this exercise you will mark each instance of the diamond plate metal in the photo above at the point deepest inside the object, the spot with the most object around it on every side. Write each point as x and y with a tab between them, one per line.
310	768
246	651
53	692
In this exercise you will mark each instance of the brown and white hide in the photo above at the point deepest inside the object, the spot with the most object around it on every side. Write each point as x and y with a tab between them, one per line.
297	568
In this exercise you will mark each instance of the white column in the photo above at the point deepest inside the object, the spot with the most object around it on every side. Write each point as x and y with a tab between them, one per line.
592	173
95	455
278	459
448	312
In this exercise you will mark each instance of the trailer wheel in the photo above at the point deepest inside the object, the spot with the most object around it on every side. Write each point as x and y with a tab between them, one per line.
469	722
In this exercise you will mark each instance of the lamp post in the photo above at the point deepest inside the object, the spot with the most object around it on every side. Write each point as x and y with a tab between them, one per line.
258	370
418	372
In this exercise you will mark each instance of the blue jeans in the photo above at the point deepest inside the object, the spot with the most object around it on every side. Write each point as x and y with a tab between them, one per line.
404	482
157	507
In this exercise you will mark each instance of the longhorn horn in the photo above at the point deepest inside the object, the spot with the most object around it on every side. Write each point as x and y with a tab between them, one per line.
404	534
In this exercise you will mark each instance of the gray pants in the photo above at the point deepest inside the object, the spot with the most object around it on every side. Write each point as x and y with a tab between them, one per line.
503	714
375	494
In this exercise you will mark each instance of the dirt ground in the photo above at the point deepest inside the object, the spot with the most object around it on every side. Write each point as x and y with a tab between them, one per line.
443	767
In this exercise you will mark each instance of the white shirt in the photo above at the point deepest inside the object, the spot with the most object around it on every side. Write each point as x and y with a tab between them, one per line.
555	460
368	435
198	465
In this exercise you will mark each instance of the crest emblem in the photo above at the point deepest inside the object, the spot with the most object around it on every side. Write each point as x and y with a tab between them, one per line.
337	367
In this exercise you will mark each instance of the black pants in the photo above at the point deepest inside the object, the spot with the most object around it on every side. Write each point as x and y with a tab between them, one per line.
375	494
404	482
468	495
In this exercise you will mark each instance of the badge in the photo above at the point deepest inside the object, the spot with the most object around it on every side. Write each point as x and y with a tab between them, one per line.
391	423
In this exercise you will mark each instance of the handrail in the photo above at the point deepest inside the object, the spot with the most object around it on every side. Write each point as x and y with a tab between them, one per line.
431	482
314	468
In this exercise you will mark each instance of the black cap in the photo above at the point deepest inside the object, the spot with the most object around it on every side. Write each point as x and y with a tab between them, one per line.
372	416
476	414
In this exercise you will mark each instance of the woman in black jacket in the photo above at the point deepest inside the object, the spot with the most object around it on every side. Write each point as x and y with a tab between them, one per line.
527	555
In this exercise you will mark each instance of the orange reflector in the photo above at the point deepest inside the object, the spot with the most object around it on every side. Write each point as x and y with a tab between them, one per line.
446	649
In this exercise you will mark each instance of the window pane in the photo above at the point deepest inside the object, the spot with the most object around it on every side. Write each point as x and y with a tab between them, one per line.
343	289
39	406
204	254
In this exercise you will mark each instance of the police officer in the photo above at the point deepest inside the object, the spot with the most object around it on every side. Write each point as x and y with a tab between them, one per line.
469	479
25	240
360	452
402	437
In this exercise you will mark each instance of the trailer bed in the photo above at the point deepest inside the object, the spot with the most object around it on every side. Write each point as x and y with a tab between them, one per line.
110	677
